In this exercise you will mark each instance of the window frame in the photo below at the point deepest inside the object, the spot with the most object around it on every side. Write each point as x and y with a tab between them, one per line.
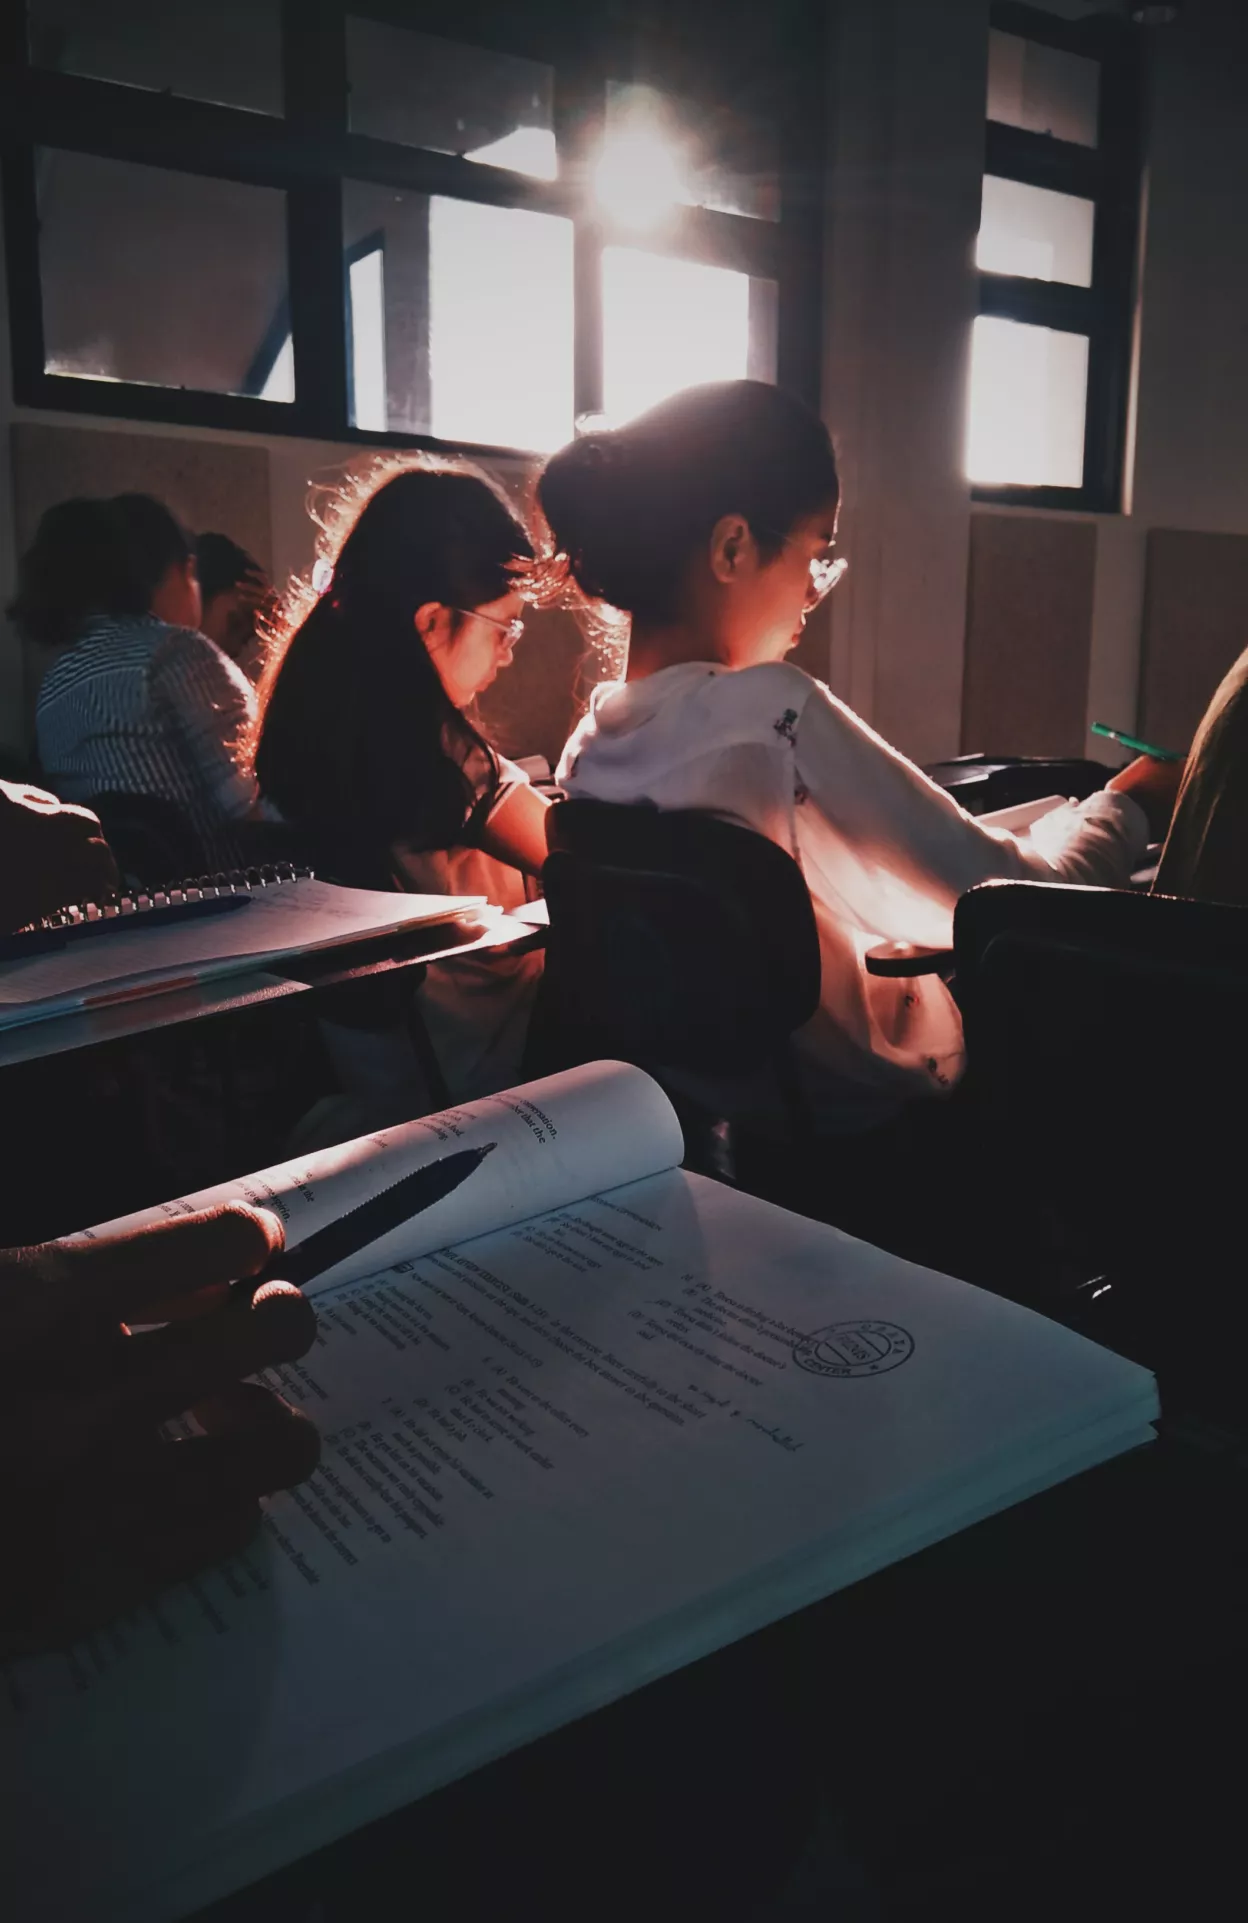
1109	175
310	151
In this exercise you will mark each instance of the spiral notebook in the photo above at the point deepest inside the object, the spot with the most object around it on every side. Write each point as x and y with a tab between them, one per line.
94	954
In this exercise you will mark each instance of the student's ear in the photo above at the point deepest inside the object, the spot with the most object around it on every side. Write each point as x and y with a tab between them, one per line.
731	542
433	623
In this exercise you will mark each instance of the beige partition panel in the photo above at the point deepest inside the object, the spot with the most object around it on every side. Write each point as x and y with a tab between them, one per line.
217	485
1195	625
533	707
222	485
1028	634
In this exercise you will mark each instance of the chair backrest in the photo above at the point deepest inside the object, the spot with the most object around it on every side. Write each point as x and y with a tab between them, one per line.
152	839
982	783
677	940
1108	1045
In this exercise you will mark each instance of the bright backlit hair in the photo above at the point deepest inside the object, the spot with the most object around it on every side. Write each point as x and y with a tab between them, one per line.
360	745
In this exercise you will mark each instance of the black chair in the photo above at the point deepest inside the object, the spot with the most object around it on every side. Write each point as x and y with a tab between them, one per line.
983	783
1108	1058
679	942
152	838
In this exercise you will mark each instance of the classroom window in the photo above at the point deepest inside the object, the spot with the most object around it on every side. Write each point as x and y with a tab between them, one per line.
1050	354
669	323
225	51
366	313
1035	233
661	151
470	231
1044	89
461	318
500	325
1029	390
161	278
422	91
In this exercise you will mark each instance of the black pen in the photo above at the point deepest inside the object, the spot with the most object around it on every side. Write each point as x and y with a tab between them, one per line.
388	1209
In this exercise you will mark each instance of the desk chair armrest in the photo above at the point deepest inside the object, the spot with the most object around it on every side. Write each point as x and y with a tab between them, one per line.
905	958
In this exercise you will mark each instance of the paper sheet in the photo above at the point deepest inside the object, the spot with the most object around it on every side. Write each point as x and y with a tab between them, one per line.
560	1459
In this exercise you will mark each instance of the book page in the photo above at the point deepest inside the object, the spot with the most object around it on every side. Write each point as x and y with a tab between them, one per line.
291	917
537	1147
1023	815
559	1461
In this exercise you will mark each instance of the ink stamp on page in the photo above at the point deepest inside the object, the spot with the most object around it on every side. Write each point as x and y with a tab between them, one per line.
854	1349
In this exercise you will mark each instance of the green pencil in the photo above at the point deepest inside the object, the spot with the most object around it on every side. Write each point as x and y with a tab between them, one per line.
1139	747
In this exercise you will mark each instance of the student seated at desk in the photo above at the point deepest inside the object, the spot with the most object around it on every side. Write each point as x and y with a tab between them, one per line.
368	745
140	702
711	520
1206	851
237	598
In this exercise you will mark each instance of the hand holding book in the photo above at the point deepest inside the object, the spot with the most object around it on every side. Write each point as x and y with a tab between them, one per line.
50	852
101	1509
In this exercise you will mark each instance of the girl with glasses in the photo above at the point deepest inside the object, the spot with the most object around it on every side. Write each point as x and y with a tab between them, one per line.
710	521
368	742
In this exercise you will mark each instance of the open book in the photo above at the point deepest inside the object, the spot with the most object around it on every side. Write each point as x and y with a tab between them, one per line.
587	1418
144	955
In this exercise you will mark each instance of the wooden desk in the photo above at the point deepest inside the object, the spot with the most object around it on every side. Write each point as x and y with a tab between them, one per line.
112	1109
230	994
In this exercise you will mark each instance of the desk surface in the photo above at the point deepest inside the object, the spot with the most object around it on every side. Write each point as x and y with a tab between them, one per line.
297	975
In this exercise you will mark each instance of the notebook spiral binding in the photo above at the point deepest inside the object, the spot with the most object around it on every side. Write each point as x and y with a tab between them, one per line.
232	881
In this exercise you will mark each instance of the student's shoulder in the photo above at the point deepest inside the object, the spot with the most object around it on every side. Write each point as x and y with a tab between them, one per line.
169	641
187	651
771	697
105	647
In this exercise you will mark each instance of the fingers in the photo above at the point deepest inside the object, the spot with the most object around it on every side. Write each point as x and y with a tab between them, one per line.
159	1374
147	1513
87	1587
121	1276
24	794
151	1517
254	1444
253	591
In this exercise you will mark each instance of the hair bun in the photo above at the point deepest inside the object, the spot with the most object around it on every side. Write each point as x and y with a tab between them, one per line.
630	506
589	495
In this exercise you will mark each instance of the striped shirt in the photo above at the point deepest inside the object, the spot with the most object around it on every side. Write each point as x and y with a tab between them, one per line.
142	708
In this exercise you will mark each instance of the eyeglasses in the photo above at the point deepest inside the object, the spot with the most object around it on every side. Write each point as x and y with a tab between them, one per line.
512	629
825	571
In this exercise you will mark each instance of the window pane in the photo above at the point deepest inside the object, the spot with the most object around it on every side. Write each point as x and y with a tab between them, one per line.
1035	232
424	92
163	278
1028	400
226	51
1043	89
460	318
668	324
660	152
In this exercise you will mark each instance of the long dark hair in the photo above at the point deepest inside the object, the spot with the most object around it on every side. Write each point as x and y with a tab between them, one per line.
92	557
627	507
360	745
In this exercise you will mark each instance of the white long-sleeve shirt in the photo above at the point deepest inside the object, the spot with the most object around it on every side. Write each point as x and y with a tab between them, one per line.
885	852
